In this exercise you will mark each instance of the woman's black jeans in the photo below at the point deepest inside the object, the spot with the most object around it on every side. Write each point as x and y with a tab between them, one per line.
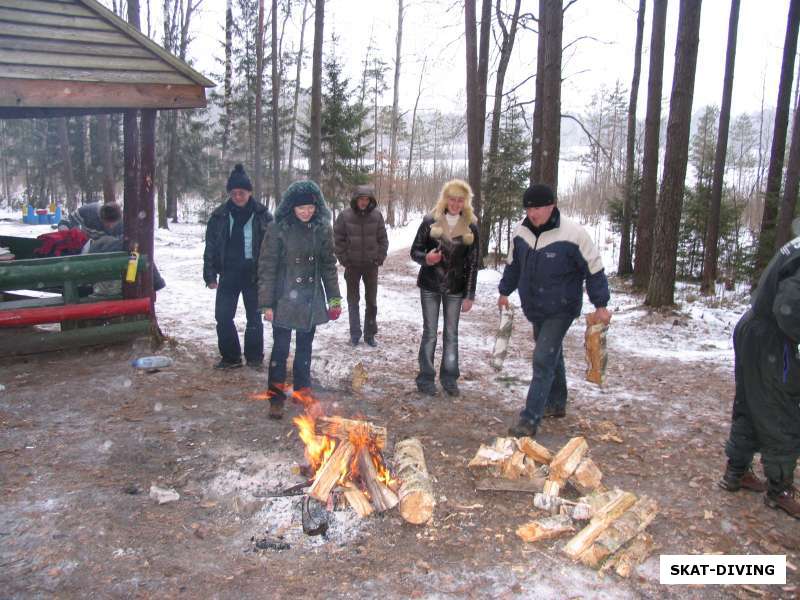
448	371
301	368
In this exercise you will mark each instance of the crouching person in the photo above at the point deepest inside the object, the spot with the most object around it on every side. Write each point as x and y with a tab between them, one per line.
766	415
298	286
233	242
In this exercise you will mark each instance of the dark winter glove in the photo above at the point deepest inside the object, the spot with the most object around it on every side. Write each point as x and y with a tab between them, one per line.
335	309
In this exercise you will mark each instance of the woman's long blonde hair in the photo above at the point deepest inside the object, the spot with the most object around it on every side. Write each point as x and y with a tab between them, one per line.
463	189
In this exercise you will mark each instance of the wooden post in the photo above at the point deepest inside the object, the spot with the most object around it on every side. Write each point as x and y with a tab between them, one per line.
147	194
130	213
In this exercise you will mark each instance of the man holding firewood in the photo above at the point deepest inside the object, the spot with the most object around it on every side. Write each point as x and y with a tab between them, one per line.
549	259
766	414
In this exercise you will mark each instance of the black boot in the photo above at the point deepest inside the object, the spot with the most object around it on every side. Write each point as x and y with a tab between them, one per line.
735	479
523	428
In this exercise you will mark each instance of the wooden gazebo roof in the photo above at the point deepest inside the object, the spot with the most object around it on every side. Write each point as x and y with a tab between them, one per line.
68	57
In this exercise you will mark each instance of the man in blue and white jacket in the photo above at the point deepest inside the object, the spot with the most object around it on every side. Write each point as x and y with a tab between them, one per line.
549	259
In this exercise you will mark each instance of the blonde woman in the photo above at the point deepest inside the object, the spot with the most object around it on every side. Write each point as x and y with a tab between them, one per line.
447	248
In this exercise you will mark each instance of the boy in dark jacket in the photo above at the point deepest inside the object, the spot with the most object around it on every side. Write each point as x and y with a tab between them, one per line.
361	245
766	414
234	235
549	259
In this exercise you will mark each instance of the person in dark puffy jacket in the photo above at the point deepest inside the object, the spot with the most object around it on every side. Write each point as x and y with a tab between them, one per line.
95	219
549	260
446	246
766	412
298	287
361	245
234	235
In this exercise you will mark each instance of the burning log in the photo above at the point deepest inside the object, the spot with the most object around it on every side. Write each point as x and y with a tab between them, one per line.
331	471
600	522
358	500
380	495
620	532
416	491
587	477
340	428
545	529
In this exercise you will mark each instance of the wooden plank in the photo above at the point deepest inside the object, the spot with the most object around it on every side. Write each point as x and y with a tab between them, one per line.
30	303
68	47
59	8
22	94
15	276
498	484
54	33
54	20
43	341
81	61
91	310
68	74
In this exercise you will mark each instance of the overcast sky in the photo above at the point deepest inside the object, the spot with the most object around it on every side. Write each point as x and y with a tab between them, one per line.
604	53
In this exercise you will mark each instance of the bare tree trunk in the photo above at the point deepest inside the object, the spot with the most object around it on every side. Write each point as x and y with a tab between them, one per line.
66	164
551	109
790	188
315	153
104	143
395	111
661	289
228	101
712	234
625	265
276	122
652	127
257	192
293	129
86	161
4	164
506	47
411	145
536	130
766	240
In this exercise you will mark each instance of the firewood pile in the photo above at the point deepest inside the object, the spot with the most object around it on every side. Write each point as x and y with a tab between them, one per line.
346	457
608	526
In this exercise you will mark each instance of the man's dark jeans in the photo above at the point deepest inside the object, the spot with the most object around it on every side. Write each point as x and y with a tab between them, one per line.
549	382
353	274
301	368
448	372
228	290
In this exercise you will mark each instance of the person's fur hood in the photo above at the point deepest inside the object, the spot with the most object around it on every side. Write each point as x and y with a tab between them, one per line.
300	191
467	217
364	190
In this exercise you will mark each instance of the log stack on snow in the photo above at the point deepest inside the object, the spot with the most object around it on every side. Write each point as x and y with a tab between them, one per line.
608	525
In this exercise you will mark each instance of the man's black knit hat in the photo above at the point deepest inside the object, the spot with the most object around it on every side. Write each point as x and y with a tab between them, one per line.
239	180
538	195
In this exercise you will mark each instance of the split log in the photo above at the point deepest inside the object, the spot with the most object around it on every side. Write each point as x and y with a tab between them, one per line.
358	500
551	488
514	467
599	523
545	529
620	532
587	477
382	497
635	554
489	460
340	428
598	500
567	459
416	490
535	450
576	512
330	472
497	484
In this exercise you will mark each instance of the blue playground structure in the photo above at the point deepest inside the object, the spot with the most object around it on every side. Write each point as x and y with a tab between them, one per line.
41	216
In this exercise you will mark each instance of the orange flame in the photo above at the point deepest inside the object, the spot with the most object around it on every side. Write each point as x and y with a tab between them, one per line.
318	447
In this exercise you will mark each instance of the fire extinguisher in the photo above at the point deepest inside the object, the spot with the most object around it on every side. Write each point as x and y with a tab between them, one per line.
133	263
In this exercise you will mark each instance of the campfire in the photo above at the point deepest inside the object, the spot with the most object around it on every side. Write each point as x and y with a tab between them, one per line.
345	460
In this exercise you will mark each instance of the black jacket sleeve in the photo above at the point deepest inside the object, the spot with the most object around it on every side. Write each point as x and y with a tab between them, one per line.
472	265
419	248
383	240
211	250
